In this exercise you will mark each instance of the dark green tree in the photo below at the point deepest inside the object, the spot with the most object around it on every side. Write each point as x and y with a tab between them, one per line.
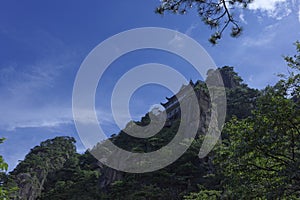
31	174
78	179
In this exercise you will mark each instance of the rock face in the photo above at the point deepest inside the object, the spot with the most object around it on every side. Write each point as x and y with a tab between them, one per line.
229	77
31	174
30	187
108	176
222	77
173	111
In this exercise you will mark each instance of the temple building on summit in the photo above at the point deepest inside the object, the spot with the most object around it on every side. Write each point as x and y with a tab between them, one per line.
172	106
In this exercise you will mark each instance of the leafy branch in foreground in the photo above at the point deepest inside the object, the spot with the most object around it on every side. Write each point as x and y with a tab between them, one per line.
6	191
260	158
3	168
217	14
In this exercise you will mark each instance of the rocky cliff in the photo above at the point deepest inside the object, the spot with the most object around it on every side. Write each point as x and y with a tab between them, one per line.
53	170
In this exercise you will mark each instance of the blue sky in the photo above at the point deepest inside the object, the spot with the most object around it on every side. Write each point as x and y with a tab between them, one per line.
42	45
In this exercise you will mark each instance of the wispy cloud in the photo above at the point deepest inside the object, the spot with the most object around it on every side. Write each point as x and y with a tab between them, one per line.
31	93
26	101
242	17
105	117
299	13
27	116
21	80
262	39
190	29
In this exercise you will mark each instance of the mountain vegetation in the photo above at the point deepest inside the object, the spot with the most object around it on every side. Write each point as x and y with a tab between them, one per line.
257	158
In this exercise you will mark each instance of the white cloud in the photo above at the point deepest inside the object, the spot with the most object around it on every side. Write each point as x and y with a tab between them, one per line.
277	9
266	5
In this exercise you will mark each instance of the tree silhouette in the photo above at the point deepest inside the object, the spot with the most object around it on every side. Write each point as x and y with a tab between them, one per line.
217	14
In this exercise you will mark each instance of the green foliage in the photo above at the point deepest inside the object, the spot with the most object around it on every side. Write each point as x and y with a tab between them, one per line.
76	180
291	83
218	15
241	101
6	191
3	165
204	195
230	78
50	156
260	158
